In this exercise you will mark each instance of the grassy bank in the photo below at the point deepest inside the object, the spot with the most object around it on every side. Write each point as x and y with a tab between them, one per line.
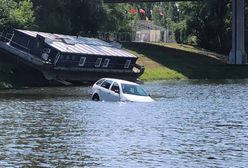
174	61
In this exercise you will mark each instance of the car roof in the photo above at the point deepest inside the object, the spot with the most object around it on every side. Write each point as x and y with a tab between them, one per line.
120	81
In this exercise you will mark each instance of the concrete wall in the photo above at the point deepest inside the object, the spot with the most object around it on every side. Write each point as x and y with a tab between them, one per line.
148	36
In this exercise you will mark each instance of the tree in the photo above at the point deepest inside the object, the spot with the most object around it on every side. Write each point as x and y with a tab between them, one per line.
209	22
69	16
52	16
4	13
86	16
16	14
22	15
118	17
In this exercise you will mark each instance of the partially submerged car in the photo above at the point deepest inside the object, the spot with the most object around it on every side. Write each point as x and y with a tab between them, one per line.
109	89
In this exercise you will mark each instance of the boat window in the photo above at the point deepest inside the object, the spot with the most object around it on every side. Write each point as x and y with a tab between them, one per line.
133	90
73	57
105	63
68	57
115	87
98	62
38	44
28	43
127	63
106	84
57	58
82	61
46	50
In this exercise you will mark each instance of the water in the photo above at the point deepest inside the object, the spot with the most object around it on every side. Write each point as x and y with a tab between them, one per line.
191	124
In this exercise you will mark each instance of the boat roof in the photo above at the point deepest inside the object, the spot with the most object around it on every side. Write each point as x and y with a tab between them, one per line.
79	44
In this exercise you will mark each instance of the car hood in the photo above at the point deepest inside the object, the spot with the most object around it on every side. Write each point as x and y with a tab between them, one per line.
136	98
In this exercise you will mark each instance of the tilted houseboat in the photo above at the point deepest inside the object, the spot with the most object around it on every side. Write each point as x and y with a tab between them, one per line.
45	58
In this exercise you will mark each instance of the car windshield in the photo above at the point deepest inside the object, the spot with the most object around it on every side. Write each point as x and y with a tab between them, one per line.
133	89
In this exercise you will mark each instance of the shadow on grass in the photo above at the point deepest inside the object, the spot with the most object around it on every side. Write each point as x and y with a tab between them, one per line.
192	65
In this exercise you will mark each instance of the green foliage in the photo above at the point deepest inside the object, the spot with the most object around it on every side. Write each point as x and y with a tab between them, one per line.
4	13
69	16
16	14
22	16
118	17
86	16
206	23
210	22
52	16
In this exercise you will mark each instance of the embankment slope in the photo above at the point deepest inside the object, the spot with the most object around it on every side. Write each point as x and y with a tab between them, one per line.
175	61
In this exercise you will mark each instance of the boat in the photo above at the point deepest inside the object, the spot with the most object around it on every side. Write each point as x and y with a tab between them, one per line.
39	59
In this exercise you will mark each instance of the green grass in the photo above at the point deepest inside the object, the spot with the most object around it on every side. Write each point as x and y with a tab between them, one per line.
174	61
161	74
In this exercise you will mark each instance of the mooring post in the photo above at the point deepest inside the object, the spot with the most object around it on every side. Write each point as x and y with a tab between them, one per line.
238	54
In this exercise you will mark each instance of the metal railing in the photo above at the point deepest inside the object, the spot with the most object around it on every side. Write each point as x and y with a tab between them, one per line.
116	36
137	36
7	38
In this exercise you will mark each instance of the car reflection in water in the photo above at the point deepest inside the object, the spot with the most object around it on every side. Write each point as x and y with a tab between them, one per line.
109	89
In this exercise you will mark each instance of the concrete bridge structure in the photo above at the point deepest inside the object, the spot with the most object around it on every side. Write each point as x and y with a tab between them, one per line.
237	54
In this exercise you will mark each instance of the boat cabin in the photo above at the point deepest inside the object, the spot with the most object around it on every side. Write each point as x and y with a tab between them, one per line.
72	51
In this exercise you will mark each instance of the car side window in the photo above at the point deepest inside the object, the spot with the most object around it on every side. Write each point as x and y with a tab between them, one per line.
115	87
106	84
99	82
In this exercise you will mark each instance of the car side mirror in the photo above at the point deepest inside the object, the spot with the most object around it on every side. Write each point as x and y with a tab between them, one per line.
117	91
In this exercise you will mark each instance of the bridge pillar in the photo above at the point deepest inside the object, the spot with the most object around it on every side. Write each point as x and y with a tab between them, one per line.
238	54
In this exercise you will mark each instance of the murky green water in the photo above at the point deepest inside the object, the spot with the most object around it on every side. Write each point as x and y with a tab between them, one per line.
191	124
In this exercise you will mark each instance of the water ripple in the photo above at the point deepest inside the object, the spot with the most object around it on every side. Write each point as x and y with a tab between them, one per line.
191	124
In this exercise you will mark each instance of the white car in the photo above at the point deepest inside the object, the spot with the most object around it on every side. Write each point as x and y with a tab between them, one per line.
108	89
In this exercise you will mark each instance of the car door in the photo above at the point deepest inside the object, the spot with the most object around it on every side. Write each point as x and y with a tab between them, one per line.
104	92
115	92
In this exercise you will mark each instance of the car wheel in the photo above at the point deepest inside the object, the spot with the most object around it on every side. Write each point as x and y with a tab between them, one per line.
95	97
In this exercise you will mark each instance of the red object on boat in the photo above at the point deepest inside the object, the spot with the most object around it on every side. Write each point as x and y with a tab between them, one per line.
133	11
142	11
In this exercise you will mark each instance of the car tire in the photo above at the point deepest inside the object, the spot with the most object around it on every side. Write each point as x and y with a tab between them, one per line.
95	97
